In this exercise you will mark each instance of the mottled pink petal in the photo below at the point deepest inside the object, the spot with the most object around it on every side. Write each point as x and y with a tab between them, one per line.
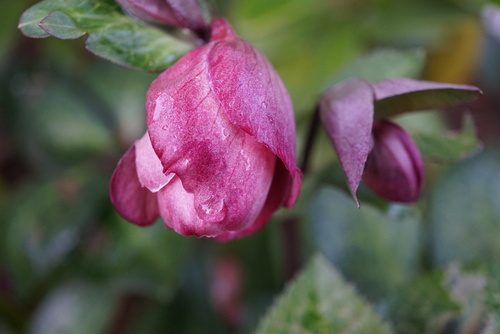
399	95
149	167
181	13
219	163
252	94
188	13
179	214
236	200
134	202
394	169
346	112
281	183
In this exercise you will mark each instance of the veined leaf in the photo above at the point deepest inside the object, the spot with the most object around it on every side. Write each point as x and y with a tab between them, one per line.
320	301
112	34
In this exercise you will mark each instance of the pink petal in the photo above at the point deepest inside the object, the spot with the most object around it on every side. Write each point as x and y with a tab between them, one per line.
134	203
397	86
150	10
226	170
394	96
281	183
347	114
235	202
395	169
181	13
149	167
179	214
188	13
252	94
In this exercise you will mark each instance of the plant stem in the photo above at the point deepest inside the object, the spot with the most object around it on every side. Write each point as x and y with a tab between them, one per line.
311	137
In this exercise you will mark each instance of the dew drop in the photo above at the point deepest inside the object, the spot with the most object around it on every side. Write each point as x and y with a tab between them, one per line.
213	210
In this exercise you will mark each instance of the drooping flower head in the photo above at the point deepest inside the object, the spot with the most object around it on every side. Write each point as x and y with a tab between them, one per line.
382	153
218	157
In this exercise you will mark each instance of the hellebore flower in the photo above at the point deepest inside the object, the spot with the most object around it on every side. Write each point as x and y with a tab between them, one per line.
180	13
383	151
218	157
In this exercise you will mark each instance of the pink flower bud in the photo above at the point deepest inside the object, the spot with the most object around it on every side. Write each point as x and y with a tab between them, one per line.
219	154
394	169
180	13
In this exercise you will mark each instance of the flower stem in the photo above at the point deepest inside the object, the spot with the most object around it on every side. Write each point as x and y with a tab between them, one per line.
311	137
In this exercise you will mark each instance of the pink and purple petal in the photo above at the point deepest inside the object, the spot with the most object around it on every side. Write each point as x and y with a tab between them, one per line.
149	167
394	96
226	170
134	202
252	94
394	169
346	112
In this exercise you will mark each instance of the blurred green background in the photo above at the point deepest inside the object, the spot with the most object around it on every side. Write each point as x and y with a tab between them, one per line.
70	264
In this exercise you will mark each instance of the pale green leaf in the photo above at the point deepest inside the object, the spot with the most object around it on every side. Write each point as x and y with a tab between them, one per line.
447	148
320	301
111	34
464	212
61	26
382	64
376	253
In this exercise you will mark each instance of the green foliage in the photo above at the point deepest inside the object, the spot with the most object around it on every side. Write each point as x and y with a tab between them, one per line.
422	100
371	250
86	308
493	294
451	147
320	301
112	34
423	305
70	264
382	64
464	212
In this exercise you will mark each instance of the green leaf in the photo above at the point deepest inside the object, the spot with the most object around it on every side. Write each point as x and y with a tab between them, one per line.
61	26
320	301
112	34
47	220
465	212
423	305
448	148
87	308
382	64
371	250
422	100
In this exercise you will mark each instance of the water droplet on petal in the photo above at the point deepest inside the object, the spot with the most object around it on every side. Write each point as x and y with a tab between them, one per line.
213	210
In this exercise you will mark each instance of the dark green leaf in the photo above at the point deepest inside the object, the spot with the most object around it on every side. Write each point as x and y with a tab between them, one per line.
320	301
112	34
422	100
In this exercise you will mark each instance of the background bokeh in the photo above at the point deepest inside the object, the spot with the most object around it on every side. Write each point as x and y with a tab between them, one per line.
70	264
